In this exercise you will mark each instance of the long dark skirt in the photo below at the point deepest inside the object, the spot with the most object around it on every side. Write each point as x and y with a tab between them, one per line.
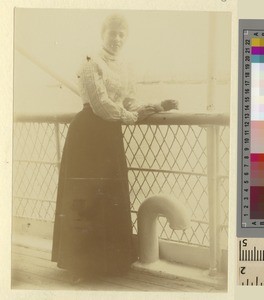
93	229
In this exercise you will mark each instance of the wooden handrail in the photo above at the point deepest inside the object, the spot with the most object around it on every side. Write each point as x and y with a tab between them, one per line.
164	118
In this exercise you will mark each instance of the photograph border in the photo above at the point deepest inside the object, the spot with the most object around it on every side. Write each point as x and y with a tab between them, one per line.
6	132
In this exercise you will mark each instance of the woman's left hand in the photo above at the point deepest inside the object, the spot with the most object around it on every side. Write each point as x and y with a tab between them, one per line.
170	104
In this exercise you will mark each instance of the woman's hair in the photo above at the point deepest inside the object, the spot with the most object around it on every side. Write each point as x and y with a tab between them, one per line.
116	20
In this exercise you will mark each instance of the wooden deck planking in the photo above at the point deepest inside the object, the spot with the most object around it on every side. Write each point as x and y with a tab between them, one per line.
37	282
37	253
31	266
173	284
29	280
138	284
29	270
33	269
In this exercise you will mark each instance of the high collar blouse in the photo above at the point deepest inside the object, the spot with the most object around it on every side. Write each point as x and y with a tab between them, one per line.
104	82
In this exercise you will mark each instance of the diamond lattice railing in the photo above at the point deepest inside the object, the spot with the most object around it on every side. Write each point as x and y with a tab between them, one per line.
35	170
161	159
223	183
170	159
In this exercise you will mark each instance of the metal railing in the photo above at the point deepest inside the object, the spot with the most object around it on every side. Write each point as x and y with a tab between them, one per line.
182	154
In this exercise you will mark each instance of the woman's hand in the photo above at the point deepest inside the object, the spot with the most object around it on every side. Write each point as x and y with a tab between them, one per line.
170	104
145	111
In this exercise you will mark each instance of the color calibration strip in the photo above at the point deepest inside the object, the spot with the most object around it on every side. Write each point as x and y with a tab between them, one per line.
250	218
250	154
257	129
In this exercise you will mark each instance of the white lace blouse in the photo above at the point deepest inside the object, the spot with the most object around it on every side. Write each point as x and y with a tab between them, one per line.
104	83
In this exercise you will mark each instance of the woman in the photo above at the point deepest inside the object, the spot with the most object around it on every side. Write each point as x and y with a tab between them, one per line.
93	229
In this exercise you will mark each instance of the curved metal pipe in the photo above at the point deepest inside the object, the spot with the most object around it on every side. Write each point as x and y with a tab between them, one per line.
154	206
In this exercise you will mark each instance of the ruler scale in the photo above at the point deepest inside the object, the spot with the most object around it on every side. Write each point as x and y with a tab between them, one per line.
251	261
250	204
255	254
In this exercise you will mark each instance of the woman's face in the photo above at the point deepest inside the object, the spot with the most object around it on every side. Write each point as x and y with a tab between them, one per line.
114	38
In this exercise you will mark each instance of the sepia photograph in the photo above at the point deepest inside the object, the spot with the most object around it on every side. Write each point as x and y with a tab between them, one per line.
121	150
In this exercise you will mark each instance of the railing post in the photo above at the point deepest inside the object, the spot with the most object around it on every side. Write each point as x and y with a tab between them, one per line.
210	105
217	199
58	147
214	216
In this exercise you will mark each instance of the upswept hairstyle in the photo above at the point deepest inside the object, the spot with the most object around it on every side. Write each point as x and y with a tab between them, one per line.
114	19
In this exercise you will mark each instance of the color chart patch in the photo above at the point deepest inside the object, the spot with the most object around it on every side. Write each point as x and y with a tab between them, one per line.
257	129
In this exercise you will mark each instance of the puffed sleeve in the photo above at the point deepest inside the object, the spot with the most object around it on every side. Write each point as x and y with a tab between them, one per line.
93	91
